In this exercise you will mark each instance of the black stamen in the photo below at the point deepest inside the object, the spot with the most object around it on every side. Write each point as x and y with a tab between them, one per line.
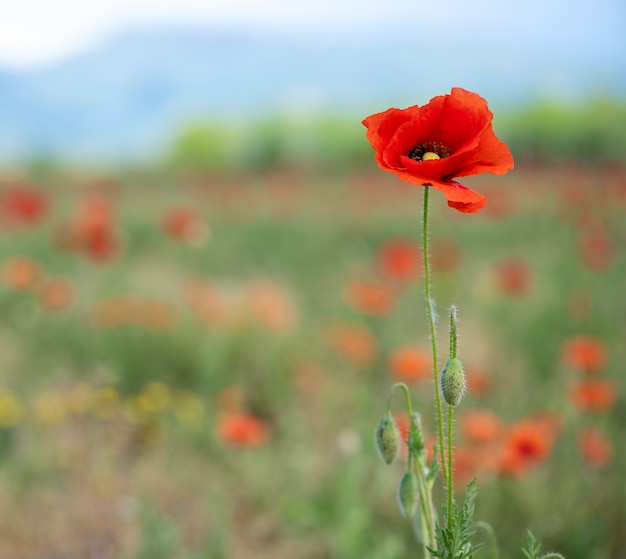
417	153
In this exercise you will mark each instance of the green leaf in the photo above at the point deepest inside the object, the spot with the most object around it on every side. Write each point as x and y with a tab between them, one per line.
454	540
532	546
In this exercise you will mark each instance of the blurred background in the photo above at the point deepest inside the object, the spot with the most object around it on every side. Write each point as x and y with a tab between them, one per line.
207	285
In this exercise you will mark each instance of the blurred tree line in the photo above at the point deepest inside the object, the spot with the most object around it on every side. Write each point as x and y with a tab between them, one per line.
547	132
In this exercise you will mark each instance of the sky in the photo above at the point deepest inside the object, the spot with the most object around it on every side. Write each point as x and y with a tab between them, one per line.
39	32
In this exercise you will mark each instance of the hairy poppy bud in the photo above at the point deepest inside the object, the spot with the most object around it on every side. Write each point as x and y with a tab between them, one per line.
408	495
387	438
453	382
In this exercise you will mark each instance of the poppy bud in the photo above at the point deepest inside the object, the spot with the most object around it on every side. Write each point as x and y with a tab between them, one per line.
408	495
387	438
453	382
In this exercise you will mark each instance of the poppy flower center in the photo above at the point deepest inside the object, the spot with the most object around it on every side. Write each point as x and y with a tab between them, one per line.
429	151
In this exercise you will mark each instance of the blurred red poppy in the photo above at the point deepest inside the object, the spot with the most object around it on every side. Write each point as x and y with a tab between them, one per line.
584	353
514	277
186	226
527	443
400	259
594	447
21	273
22	205
450	137
55	293
480	426
594	395
374	298
410	364
355	342
477	381
242	429
92	231
595	246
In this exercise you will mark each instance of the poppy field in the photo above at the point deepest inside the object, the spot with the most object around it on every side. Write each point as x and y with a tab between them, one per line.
194	363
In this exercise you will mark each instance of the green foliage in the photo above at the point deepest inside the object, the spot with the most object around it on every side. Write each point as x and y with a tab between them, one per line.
208	146
532	546
329	142
591	134
594	133
455	540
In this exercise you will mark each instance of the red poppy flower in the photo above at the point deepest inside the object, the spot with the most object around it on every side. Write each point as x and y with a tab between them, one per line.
185	225
594	395
374	298
243	430
410	364
400	259
480	426
527	442
514	277
584	353
594	447
449	137
22	205
354	342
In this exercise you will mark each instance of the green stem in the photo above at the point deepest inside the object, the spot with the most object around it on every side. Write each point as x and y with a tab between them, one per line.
433	339
426	504
491	536
452	332
407	395
450	482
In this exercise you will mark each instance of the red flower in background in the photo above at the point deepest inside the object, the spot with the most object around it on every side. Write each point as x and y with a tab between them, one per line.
21	273
355	342
514	277
594	447
400	260
370	297
527	443
584	353
92	231
594	395
55	293
242	429
477	381
480	426
449	137
22	205
410	364
185	225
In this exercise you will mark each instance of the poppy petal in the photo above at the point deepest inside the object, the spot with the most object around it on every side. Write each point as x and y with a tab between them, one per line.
460	197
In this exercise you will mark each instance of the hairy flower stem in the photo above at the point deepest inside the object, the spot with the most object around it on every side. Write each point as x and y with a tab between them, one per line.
449	489
433	338
449	480
427	518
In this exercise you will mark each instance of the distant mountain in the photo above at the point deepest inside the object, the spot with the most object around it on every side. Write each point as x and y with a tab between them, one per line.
129	97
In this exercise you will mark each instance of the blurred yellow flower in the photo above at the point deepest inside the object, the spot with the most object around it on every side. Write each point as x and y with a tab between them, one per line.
50	407
188	408
155	397
105	403
79	398
10	408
